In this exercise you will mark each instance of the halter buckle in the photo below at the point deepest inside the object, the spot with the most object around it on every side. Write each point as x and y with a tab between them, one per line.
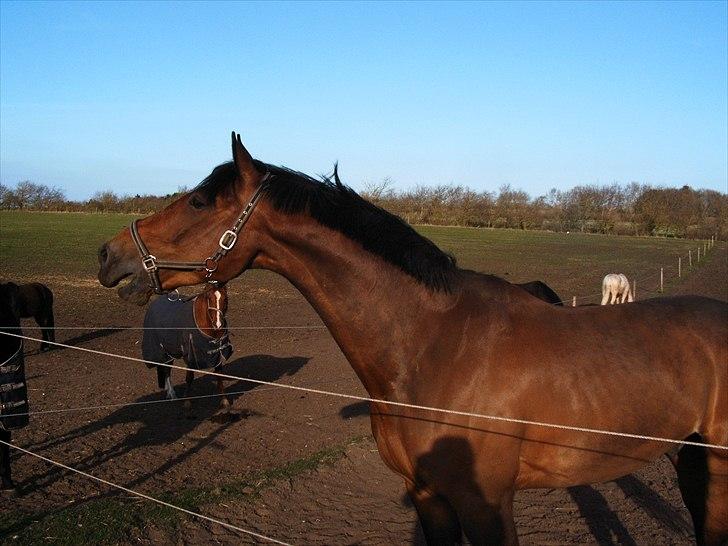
228	240
149	263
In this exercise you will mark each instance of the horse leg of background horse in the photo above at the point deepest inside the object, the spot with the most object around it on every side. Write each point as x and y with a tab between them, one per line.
438	519
189	378
605	296
45	320
6	482
224	402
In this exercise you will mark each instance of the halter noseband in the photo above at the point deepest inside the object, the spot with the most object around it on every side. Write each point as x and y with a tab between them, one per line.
227	241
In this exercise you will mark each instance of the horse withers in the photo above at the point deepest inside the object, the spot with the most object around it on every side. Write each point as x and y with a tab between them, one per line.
418	330
194	330
34	300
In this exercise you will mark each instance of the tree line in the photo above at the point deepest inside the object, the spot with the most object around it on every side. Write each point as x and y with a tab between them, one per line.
631	209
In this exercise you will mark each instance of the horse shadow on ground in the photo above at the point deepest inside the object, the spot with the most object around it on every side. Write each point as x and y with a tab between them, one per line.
604	524
163	423
75	340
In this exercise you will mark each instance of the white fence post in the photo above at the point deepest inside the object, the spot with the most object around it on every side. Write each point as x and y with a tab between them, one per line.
698	253
573	301
662	280
634	289
690	258
679	267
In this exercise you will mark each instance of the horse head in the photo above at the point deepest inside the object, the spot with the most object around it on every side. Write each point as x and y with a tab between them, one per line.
197	230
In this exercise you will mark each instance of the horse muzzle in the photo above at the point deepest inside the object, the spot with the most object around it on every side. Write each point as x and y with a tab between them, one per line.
117	261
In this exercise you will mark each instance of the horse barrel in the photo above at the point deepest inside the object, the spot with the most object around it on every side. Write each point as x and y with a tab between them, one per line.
13	392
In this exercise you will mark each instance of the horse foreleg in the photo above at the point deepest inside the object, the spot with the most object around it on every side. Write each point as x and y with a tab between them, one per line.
224	402
189	378
614	297
438	519
44	324
169	389
6	481
486	522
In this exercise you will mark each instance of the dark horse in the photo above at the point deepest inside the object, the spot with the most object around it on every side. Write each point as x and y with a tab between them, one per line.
194	330
35	300
542	291
418	329
13	389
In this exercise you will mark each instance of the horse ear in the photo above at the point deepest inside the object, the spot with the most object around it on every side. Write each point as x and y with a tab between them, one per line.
244	161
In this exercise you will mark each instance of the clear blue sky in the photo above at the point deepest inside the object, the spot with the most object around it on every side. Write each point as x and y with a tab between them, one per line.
141	97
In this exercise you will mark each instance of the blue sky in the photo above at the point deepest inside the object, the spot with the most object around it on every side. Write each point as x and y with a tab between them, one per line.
141	98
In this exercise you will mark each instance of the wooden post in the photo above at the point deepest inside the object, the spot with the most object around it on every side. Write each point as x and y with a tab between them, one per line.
662	279
634	289
573	301
690	258
705	248
698	253
679	267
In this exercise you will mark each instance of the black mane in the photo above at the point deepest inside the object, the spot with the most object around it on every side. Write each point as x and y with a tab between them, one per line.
338	207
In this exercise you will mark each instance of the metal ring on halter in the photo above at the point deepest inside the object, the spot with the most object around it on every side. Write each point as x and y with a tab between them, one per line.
175	293
213	268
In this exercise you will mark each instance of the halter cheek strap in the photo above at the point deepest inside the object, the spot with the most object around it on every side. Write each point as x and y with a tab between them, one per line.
227	241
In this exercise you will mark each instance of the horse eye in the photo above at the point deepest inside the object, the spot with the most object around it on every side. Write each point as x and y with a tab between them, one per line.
197	203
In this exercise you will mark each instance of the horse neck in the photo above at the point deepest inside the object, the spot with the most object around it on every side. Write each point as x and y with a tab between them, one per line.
374	311
209	318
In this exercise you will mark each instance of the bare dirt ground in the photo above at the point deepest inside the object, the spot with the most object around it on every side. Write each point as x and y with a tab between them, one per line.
152	448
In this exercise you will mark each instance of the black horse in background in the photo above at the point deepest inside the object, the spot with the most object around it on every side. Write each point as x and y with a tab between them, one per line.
542	291
33	300
13	388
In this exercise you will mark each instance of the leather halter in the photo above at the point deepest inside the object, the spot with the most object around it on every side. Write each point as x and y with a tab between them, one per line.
227	241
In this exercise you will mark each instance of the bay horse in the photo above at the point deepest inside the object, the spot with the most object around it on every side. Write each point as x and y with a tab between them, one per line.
35	300
616	289
194	330
417	329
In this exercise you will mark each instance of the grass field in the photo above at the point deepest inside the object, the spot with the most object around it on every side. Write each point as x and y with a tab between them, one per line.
65	244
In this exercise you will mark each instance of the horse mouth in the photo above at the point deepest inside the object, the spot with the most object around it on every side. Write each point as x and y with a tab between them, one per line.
137	290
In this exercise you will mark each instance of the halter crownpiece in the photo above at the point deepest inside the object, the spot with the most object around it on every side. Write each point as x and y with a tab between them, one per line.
227	241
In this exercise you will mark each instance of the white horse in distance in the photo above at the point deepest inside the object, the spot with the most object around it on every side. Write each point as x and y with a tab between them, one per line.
616	289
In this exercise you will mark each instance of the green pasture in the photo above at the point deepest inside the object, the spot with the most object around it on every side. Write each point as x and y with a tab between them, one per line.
54	243
36	244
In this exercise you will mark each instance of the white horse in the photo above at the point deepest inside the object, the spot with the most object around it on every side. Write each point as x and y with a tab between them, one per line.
616	289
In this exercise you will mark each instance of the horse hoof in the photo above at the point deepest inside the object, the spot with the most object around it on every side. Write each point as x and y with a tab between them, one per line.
9	490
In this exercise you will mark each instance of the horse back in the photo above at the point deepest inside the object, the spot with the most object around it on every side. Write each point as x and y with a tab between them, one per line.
34	299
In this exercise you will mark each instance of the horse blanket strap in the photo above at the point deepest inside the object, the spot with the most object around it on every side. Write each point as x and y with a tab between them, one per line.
227	241
13	392
171	332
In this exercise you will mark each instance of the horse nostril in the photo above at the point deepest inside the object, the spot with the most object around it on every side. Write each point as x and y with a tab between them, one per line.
103	254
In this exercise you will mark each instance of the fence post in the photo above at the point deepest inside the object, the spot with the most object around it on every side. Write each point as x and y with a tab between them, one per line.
698	253
634	289
573	301
662	279
690	258
679	267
